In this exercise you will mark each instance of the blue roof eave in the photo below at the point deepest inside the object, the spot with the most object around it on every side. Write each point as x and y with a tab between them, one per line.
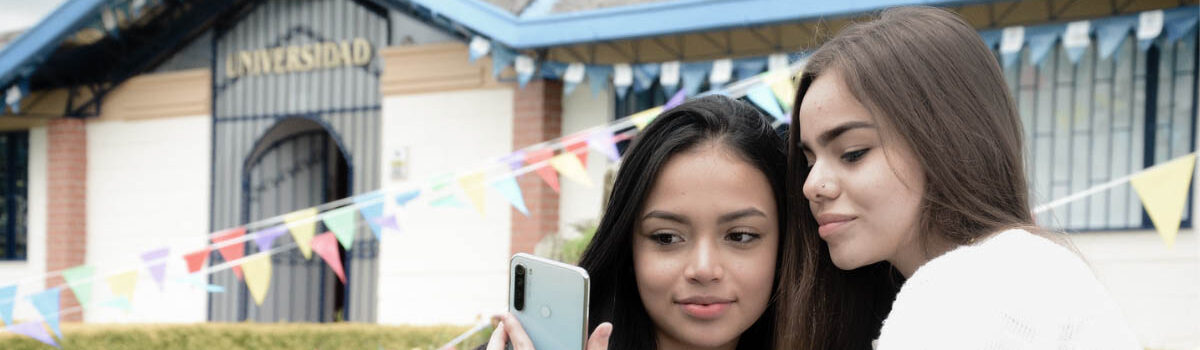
648	19
20	57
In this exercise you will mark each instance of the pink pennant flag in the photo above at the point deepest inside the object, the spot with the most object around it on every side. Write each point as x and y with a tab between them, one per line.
232	251
33	330
195	260
603	141
577	144
326	246
156	262
547	173
265	239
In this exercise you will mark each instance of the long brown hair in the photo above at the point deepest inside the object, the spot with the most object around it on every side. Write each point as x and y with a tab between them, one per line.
926	76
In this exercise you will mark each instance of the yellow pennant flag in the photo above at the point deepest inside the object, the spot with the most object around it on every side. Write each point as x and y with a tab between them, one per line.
257	270
643	118
122	284
472	184
1164	191
303	225
569	166
781	84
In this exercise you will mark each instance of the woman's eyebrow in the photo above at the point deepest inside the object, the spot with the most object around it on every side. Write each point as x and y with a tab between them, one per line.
667	216
740	214
831	134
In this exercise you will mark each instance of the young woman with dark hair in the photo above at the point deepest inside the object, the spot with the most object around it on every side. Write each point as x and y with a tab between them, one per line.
905	167
685	254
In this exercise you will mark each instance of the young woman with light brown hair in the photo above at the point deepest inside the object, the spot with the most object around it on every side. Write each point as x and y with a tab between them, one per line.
905	170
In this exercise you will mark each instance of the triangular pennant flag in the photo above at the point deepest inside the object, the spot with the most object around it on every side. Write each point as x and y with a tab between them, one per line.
525	67
782	87
644	76
33	330
569	166
1011	41
265	239
341	222
1149	27
123	284
118	302
7	294
450	200
1076	39
1111	32
303	225
515	160
764	98
693	75
79	279
325	245
643	118
602	140
1179	24
231	251
547	174
371	207
46	304
195	260
676	100
479	47
990	38
577	144
622	79
472	185
405	197
156	262
258	276
668	77
750	66
508	188
572	77
722	72
197	280
598	78
389	222
1164	193
502	57
777	62
1041	41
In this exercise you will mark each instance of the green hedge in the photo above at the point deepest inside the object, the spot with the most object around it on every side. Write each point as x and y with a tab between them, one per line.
257	336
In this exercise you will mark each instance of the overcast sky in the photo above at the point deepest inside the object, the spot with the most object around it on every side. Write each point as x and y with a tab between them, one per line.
21	14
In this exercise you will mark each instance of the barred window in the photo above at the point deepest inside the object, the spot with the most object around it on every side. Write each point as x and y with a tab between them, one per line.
14	150
1097	120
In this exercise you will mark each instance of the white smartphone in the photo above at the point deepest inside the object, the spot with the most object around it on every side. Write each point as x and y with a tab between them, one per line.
550	298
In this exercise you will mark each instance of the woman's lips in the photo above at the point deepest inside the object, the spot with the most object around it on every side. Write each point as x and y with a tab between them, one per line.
705	311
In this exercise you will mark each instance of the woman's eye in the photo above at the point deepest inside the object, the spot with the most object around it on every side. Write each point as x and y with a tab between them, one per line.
666	238
854	156
742	237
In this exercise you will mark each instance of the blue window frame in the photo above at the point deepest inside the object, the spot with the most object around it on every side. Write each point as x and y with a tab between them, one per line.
14	160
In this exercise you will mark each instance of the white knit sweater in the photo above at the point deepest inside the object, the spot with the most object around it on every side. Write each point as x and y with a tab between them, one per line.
1016	290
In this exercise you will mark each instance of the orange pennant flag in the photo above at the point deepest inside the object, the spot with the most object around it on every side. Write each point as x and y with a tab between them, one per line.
233	251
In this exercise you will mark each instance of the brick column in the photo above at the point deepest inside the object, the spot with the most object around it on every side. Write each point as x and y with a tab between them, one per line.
66	231
537	117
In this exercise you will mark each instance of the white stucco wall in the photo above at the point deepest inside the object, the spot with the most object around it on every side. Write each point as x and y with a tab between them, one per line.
578	202
148	185
448	265
29	275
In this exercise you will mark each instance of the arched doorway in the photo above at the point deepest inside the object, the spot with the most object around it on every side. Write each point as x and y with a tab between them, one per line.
295	165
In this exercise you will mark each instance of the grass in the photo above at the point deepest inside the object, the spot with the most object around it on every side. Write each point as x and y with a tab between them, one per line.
238	336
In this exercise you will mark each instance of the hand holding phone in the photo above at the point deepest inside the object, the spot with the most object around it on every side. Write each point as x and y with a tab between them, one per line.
547	307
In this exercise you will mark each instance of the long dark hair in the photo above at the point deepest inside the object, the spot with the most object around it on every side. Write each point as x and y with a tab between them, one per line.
927	76
609	257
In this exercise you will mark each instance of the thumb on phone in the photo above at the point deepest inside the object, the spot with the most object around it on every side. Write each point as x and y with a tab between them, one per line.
599	338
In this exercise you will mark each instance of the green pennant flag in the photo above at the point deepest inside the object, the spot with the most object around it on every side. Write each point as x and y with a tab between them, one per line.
341	222
78	279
